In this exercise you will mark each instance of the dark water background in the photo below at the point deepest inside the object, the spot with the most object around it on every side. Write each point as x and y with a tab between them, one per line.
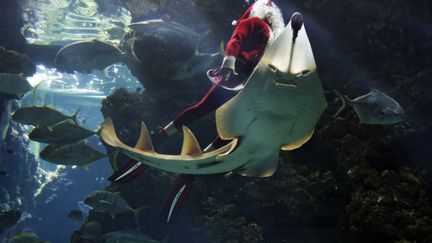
327	191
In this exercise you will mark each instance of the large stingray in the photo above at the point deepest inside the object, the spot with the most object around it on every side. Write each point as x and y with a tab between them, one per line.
277	109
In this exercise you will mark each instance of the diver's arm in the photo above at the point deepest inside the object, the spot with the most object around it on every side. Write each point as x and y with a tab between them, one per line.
243	30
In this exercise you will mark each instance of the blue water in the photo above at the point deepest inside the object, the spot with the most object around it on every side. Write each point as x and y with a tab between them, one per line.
68	93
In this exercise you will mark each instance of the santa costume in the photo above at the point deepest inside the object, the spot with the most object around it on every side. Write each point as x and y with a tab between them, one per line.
257	27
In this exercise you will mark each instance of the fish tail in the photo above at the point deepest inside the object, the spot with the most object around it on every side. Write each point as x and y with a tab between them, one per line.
137	213
344	100
113	159
74	116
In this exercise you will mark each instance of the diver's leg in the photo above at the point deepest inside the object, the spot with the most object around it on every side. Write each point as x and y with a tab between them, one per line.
177	198
131	170
215	97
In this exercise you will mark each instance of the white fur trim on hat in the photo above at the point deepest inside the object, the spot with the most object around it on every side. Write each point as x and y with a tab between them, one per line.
271	14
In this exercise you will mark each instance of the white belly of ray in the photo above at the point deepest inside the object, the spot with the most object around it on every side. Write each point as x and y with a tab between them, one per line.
277	109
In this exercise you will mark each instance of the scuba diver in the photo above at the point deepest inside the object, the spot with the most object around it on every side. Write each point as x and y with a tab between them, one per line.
257	27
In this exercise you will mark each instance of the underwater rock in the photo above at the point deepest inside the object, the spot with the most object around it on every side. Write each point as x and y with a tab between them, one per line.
8	219
11	22
17	188
390	206
5	117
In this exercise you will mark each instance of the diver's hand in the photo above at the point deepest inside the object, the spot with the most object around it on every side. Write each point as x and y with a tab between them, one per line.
225	73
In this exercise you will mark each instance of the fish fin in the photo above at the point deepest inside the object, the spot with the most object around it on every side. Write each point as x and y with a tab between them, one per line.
113	216
262	170
144	141
108	135
222	47
374	90
133	52
176	199
74	116
190	143
137	213
113	159
167	18
225	117
344	100
105	72
35	96
105	202
297	144
85	167
50	129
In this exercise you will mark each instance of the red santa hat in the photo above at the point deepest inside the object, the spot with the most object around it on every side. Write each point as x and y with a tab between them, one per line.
265	9
244	16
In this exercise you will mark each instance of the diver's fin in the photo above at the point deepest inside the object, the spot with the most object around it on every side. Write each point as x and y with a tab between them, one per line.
128	172
190	143
297	144
176	199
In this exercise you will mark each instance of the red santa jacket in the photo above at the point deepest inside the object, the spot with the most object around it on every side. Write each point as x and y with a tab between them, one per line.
247	42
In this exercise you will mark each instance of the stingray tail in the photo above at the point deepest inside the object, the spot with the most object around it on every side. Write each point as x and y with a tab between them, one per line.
344	100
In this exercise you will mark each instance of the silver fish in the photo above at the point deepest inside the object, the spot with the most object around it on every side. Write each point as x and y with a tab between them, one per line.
26	237
63	132
91	230
78	153
14	84
76	215
84	56
196	65
40	116
164	26
110	202
374	108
